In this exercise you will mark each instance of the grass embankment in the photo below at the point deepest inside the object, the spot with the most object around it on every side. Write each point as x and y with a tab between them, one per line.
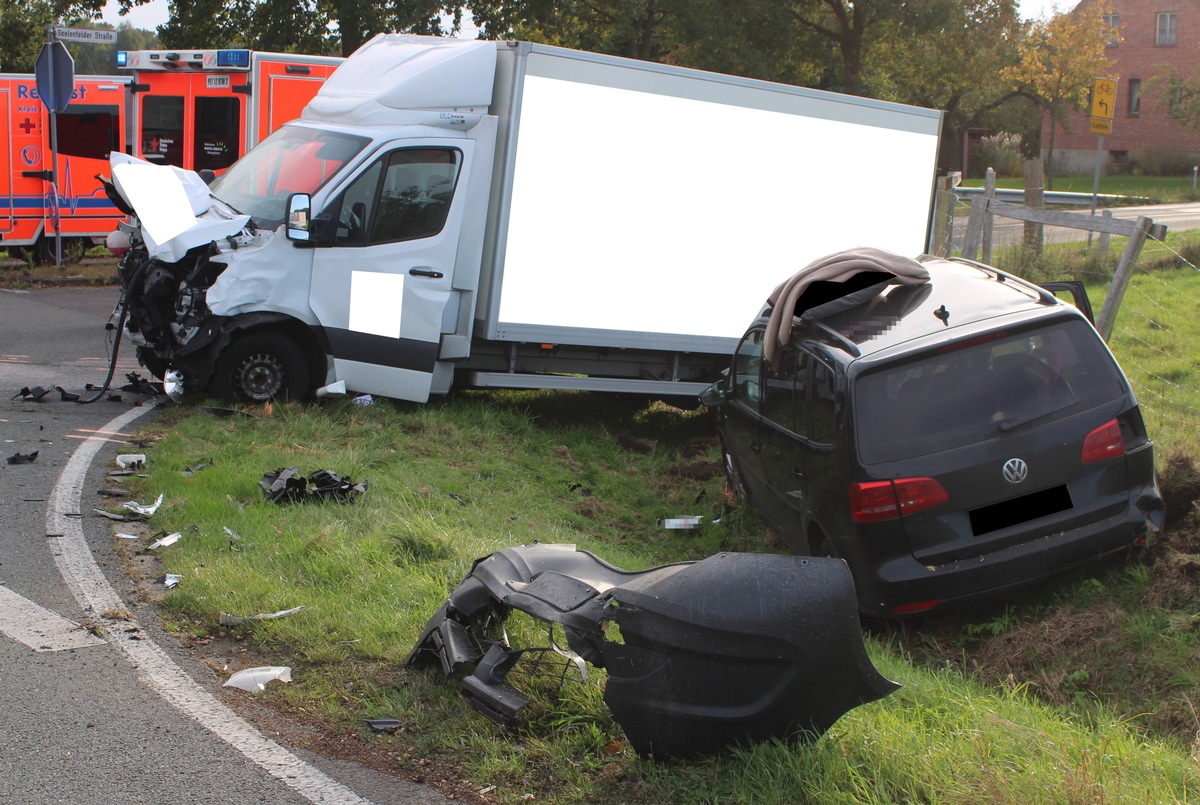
1080	690
1076	691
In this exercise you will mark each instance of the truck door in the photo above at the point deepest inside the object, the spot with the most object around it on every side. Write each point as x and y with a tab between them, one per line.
383	292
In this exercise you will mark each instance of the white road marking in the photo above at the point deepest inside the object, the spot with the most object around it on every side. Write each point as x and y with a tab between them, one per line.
38	627
157	670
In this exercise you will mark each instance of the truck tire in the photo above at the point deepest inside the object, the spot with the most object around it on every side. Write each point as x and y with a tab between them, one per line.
259	367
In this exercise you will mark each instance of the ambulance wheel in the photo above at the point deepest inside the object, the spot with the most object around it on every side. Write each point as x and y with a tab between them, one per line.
72	249
260	367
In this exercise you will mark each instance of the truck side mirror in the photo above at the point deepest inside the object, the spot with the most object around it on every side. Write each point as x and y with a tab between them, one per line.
299	216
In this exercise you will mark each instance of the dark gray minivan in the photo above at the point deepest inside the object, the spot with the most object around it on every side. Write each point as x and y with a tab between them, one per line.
949	440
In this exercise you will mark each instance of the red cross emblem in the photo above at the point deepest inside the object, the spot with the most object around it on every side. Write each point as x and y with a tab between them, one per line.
27	126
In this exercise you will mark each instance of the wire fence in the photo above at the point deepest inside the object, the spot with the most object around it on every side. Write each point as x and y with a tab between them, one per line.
1156	331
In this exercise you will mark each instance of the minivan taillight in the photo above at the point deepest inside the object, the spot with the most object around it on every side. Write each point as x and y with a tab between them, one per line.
876	501
1104	442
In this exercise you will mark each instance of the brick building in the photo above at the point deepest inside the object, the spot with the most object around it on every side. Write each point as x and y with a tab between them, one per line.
1157	37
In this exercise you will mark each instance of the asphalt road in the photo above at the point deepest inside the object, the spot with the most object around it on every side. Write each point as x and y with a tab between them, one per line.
126	717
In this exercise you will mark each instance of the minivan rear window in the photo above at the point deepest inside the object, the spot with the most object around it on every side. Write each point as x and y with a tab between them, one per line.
960	394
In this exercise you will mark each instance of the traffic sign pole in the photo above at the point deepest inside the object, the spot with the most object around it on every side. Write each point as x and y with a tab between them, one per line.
54	161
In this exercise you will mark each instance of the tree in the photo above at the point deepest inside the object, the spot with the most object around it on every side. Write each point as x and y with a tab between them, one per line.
637	29
950	55
298	26
1060	58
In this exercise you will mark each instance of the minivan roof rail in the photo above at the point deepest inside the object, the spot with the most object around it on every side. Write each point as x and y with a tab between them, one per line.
1044	295
844	342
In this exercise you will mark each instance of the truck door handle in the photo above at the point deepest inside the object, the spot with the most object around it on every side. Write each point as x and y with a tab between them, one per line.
426	272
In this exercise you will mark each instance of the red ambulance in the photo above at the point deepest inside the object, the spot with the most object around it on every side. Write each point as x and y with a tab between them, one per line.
203	109
93	125
196	109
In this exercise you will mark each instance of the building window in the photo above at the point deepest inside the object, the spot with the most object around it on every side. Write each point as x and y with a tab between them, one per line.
1135	96
1167	28
1113	22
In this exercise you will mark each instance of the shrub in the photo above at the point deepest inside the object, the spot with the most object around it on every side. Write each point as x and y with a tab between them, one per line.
1002	152
1162	162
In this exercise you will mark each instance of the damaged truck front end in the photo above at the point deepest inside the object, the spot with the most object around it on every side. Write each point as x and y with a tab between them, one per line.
215	298
734	649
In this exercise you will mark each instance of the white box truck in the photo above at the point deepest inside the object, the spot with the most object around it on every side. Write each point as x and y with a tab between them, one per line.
505	214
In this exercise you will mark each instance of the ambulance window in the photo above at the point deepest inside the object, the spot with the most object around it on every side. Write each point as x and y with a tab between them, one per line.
89	130
162	129
218	121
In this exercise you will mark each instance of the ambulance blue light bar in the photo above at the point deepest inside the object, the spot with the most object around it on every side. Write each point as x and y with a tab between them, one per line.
122	58
233	58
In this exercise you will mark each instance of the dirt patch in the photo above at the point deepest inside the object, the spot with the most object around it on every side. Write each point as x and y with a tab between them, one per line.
16	273
1130	650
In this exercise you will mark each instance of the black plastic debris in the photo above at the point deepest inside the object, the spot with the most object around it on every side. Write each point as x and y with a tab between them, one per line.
23	458
734	649
139	385
27	393
67	396
287	485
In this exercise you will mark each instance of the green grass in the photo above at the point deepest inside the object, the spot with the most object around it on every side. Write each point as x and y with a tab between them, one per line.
462	477
1158	189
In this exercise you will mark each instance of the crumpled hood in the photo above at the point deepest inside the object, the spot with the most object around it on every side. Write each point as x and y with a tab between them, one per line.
173	206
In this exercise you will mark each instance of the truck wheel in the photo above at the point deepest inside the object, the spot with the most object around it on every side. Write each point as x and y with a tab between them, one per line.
261	367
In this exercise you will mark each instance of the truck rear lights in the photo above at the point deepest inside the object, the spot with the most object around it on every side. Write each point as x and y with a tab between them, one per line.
1104	442
876	501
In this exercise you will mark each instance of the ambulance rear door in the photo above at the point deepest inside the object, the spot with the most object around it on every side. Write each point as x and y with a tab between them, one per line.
281	86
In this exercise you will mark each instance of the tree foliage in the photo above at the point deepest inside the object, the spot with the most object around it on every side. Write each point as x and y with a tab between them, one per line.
1060	59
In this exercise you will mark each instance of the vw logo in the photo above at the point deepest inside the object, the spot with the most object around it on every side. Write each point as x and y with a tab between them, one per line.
1015	470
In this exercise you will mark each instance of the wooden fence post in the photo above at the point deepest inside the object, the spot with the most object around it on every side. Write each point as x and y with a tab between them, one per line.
989	193
976	226
1035	195
943	218
1120	281
1104	236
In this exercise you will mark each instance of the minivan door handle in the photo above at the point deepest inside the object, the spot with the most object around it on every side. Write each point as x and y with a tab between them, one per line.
754	446
426	272
797	473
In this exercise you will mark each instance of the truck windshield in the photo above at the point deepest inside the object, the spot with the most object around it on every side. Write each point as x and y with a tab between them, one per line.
292	160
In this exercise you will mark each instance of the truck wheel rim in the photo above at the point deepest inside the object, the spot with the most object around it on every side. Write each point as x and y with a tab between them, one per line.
260	376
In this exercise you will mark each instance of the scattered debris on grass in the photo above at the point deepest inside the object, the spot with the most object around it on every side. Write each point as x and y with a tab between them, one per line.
287	485
238	620
255	680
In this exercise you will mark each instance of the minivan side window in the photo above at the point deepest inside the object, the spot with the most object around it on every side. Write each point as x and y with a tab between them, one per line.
747	370
822	405
779	396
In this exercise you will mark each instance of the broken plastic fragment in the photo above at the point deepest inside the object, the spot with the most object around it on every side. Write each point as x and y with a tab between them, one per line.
383	724
256	679
678	523
35	393
120	518
131	461
23	458
144	509
170	580
169	539
333	389
365	399
238	620
286	485
126	536
67	396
